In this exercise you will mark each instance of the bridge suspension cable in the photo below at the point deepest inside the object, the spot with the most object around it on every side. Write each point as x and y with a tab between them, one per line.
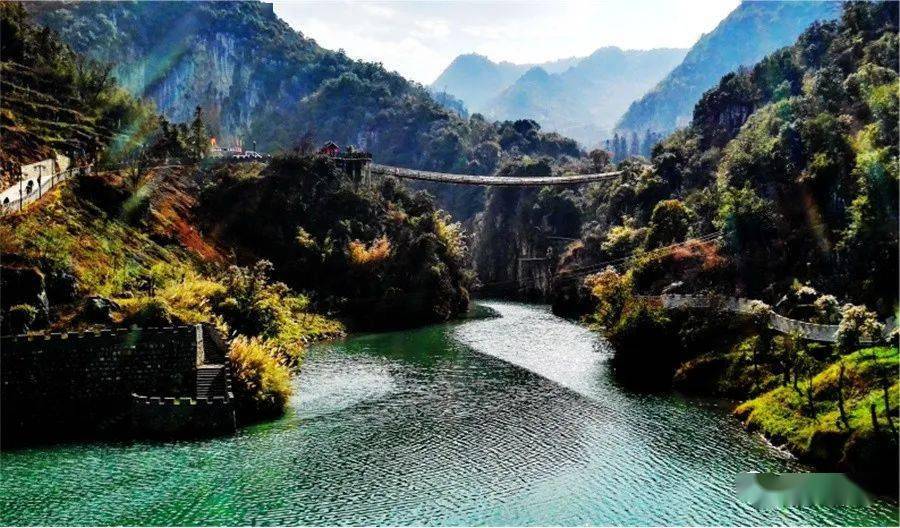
502	181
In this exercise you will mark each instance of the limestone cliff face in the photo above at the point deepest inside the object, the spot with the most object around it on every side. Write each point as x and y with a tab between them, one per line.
509	250
218	75
237	60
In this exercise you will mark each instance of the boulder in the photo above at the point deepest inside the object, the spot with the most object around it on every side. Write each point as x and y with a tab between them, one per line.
97	309
21	286
62	287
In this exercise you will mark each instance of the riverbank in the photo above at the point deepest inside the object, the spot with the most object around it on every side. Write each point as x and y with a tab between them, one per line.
435	425
836	411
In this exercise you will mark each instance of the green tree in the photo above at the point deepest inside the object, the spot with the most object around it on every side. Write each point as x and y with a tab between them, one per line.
199	138
857	324
748	224
669	223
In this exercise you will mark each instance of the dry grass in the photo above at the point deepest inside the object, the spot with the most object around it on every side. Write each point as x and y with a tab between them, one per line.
378	251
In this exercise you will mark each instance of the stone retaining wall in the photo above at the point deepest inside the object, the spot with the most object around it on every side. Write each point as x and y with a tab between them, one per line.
169	416
60	385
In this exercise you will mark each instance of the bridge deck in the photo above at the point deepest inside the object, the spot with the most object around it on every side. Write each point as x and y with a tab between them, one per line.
504	181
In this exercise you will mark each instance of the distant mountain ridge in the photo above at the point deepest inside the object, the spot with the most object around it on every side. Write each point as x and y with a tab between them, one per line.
475	79
579	97
584	101
750	32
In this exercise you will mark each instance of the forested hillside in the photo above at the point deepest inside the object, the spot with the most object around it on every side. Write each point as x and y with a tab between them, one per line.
158	235
784	188
476	80
56	99
751	31
260	81
793	159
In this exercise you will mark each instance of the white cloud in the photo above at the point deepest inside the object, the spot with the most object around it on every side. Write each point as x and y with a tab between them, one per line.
418	39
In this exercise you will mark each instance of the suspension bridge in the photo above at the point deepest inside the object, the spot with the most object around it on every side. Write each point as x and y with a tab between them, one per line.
365	167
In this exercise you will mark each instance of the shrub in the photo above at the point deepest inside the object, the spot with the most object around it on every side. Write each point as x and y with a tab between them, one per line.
145	311
669	223
857	323
612	292
262	384
21	317
828	311
450	235
191	300
361	256
256	306
253	300
621	241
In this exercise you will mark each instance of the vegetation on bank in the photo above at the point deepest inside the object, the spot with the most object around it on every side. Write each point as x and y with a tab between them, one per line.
834	405
262	384
97	269
374	252
844	417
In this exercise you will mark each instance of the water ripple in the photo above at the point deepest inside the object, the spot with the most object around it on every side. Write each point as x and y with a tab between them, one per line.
506	421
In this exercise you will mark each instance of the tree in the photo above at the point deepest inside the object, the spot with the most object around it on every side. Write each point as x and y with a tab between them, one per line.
199	138
857	323
828	310
840	395
599	160
618	155
748	225
809	366
669	223
790	350
612	292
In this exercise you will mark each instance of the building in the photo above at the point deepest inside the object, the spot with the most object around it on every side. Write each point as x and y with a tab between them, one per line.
330	149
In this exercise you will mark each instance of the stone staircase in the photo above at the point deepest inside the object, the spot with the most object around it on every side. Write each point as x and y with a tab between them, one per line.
213	376
212	380
210	410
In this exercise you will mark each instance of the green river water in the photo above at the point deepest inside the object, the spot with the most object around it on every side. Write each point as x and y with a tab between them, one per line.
508	420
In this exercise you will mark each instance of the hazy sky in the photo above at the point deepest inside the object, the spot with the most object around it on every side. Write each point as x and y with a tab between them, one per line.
419	38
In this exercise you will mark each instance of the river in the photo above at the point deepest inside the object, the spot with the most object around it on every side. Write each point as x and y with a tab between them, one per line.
509	420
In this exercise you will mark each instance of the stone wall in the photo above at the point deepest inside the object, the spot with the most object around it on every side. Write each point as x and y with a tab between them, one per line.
167	417
61	385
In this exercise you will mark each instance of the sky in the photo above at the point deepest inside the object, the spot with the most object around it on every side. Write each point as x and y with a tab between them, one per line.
420	38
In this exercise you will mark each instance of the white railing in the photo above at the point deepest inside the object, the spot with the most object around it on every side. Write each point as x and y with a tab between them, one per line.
810	331
23	193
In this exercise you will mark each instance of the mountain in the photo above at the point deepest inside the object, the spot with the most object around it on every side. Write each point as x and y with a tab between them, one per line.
753	30
584	101
261	82
783	188
169	241
475	79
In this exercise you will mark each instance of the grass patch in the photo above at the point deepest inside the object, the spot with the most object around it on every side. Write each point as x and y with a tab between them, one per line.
784	414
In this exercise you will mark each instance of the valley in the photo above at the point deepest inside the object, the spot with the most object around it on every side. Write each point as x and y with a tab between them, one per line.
527	294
